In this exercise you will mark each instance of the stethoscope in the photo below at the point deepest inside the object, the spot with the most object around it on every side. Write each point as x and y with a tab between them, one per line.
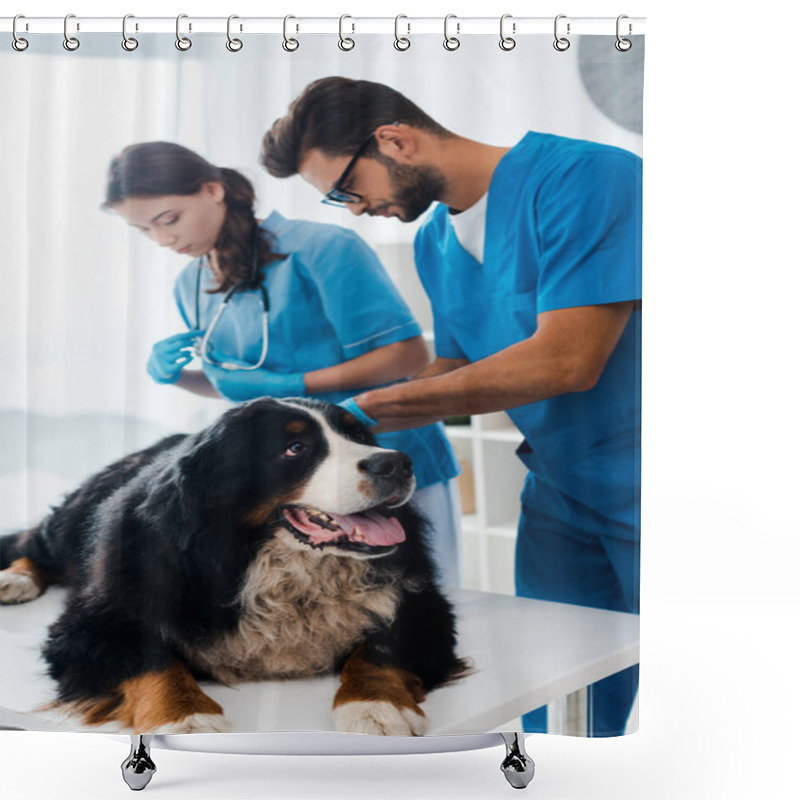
252	283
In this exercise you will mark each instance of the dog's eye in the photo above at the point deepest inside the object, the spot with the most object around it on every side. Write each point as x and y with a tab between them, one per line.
294	449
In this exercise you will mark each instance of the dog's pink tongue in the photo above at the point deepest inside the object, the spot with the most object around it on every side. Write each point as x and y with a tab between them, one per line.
371	528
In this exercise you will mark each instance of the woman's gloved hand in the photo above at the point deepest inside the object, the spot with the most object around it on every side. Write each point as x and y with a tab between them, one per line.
239	385
169	356
356	410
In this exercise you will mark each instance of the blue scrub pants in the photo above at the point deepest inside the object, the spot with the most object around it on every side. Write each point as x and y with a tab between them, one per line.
559	563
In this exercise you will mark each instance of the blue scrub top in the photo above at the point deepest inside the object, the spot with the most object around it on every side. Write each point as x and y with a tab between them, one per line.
330	301
563	229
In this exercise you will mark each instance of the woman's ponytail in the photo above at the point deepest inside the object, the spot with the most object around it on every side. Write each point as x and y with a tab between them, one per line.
235	244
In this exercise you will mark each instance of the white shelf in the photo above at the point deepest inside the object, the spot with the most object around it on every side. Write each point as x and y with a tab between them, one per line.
506	531
468	432
460	432
489	445
514	437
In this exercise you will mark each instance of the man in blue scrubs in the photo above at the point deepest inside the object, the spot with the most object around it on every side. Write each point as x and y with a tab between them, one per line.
531	258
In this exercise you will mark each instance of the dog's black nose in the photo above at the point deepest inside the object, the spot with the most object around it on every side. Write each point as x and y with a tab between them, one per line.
390	465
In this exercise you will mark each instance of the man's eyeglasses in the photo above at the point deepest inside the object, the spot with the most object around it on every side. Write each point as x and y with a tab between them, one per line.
337	196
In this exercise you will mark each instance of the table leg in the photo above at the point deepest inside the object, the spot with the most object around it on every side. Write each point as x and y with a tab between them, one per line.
518	766
138	768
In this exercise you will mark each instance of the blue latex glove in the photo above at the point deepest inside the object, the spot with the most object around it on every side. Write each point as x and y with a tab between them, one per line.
353	407
238	385
169	356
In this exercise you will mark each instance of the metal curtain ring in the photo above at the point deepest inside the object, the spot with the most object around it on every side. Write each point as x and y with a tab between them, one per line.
507	42
345	42
182	42
128	42
70	42
623	45
561	43
234	45
401	42
451	42
19	44
289	45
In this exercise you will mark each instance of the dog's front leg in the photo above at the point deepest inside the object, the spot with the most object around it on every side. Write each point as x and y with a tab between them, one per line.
160	701
382	700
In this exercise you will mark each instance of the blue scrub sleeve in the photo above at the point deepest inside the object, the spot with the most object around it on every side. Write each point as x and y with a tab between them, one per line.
360	301
588	223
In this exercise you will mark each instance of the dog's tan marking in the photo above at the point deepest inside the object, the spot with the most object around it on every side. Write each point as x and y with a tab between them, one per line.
297	426
367	488
24	566
379	700
153	701
263	513
364	681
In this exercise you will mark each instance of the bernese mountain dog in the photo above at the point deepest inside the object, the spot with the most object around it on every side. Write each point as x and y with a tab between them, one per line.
278	543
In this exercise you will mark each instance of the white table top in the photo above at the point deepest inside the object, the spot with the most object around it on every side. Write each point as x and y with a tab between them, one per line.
526	653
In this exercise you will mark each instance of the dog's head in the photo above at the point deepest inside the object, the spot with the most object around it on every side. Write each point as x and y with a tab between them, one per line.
302	466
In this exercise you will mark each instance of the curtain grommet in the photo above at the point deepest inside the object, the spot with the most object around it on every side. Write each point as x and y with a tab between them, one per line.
71	43
18	43
507	43
561	43
401	43
234	45
346	43
451	43
289	44
128	42
183	43
623	45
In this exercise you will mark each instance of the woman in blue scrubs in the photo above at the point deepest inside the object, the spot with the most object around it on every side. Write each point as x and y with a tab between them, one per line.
335	324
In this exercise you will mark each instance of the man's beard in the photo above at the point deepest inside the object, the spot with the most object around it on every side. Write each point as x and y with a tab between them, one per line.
415	188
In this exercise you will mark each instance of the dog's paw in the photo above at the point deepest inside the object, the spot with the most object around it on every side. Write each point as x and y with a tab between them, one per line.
17	587
379	718
195	723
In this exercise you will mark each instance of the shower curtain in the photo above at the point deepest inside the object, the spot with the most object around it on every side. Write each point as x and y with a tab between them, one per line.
474	273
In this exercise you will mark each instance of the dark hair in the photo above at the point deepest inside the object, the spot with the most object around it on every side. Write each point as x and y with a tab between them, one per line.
155	169
336	115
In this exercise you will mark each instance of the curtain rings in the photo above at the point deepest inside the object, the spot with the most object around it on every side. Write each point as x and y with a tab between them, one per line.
233	45
451	42
623	45
401	42
289	45
19	44
507	42
70	42
345	42
561	43
183	43
128	42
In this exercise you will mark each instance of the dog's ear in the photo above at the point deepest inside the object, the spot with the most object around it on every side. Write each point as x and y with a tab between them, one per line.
192	487
174	503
